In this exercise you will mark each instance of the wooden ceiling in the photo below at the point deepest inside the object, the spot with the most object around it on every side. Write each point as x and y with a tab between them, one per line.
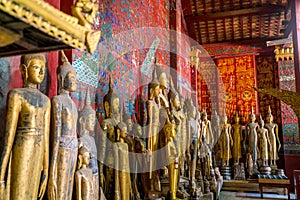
217	21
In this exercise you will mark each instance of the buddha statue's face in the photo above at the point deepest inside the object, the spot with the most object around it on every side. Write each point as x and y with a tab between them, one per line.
70	82
176	102
237	119
252	118
129	124
138	131
90	122
156	91
123	132
86	158
163	80
36	71
204	117
225	120
115	105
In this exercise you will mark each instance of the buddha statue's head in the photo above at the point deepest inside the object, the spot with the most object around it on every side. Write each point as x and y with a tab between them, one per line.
121	130
32	68
87	116
153	86
83	157
66	75
204	115
269	117
163	78
111	102
261	121
237	118
174	98
252	116
137	130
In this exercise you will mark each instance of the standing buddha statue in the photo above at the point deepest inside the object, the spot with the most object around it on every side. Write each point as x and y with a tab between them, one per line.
226	142
274	139
237	139
65	142
87	119
84	177
153	136
25	156
251	138
264	142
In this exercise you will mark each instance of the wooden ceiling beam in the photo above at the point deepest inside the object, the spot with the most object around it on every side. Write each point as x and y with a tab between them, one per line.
265	9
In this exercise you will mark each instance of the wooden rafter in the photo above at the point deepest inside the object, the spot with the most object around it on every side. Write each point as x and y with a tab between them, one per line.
265	9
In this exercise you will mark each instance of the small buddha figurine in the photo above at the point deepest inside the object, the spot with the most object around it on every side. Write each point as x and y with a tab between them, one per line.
25	156
85	11
85	188
273	137
87	119
226	142
237	139
252	139
264	142
65	142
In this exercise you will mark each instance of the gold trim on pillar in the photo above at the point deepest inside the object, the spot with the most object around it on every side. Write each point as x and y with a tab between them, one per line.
284	53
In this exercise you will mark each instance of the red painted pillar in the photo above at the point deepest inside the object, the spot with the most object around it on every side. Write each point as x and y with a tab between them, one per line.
295	9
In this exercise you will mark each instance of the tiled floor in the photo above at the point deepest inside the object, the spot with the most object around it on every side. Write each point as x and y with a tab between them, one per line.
227	195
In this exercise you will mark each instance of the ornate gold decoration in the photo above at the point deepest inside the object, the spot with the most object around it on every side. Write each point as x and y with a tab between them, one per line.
284	53
8	37
48	19
288	97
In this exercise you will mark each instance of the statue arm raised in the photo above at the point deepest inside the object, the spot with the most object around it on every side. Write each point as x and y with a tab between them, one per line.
12	116
56	128
46	151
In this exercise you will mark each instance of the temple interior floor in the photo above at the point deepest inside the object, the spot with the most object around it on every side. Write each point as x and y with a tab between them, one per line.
231	195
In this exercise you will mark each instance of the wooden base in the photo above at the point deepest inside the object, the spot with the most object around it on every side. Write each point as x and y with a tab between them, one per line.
250	185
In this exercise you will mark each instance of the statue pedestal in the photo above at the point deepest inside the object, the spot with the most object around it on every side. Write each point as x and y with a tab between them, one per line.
273	169
226	172
265	170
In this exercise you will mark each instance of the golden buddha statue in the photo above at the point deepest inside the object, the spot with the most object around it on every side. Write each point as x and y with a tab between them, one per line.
169	131
107	151
226	142
122	172
65	142
87	119
273	137
25	156
207	130
252	139
237	139
84	178
264	142
153	135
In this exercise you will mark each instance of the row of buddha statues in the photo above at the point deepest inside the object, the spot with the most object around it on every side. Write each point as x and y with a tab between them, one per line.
257	144
51	148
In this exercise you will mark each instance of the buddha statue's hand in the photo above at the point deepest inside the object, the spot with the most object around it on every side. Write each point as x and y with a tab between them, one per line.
102	180
279	146
43	186
2	189
52	189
